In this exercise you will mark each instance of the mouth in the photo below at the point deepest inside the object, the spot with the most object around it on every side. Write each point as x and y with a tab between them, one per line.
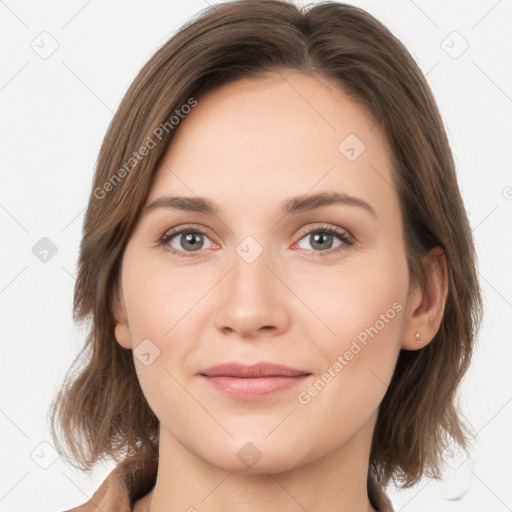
252	382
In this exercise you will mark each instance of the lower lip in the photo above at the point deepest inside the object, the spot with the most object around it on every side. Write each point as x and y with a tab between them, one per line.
253	388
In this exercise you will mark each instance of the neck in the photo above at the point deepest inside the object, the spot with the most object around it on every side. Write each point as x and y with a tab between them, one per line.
336	481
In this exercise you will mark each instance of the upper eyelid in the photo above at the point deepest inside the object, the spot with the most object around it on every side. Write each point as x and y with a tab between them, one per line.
306	229
337	230
188	228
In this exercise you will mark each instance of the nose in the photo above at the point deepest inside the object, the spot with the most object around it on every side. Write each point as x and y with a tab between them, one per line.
252	300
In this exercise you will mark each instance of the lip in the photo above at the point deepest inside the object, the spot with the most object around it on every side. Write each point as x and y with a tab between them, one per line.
263	369
252	382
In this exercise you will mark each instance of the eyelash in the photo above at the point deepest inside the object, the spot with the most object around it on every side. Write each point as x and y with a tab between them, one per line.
347	241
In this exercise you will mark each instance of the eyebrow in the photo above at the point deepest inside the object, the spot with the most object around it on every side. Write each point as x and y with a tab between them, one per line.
292	205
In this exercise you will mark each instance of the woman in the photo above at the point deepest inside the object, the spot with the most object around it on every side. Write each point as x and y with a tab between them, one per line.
279	273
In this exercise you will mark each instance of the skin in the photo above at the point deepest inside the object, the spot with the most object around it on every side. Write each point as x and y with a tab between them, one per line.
248	146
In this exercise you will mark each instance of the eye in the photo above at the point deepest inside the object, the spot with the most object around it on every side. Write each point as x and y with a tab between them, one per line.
186	240
322	240
189	240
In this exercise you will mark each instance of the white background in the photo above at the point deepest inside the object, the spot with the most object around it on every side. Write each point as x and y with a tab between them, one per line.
54	113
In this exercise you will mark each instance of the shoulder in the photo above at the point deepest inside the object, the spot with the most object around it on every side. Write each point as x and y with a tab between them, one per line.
112	495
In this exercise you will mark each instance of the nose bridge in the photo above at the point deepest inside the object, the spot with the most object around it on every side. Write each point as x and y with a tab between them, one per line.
250	274
251	298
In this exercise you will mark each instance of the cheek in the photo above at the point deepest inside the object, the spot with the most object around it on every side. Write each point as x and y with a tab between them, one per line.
363	310
358	315
160	307
159	298
357	295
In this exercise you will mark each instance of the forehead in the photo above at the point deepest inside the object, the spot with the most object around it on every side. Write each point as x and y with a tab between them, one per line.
255	141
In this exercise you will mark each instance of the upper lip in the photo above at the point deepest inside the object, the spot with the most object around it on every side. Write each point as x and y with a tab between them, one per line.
263	369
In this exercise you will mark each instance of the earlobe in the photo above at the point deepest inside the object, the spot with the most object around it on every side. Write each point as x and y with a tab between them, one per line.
122	330
425	310
123	335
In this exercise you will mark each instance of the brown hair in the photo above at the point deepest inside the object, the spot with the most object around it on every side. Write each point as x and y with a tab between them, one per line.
100	409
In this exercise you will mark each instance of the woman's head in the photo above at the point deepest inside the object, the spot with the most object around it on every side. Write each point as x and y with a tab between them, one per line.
258	107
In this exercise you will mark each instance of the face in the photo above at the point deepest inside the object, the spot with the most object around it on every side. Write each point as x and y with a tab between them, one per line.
318	286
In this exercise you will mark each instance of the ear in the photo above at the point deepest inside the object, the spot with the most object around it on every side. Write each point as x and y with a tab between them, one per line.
122	330
425	307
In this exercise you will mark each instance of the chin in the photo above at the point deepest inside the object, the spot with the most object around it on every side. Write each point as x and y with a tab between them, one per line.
255	457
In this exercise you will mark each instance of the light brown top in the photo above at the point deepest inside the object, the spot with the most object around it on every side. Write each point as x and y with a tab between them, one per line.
113	495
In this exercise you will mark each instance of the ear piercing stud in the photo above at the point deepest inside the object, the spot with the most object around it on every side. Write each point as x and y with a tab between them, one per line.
418	342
